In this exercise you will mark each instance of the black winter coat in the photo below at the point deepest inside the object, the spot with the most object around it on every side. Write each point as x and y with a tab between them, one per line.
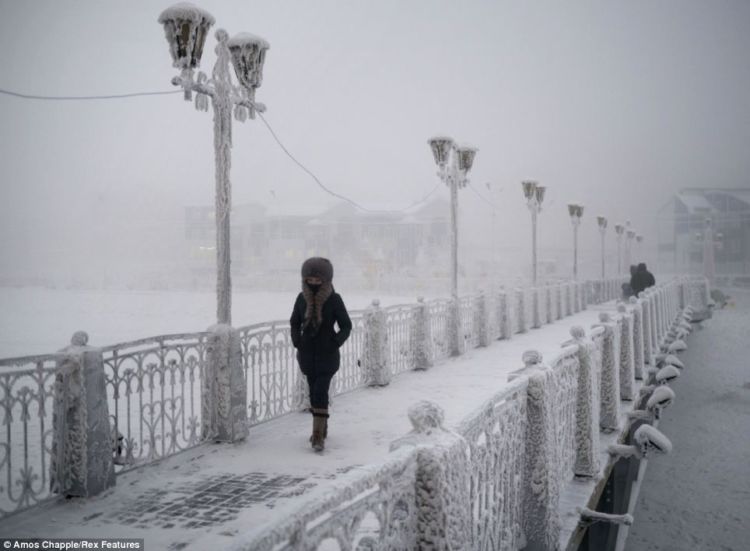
642	280
318	351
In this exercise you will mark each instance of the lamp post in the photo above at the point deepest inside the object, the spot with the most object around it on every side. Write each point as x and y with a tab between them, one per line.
619	231
454	163
534	194
602	223
630	234
576	212
186	27
639	246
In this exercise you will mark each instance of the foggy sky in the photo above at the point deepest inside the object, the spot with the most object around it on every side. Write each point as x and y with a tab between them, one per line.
614	104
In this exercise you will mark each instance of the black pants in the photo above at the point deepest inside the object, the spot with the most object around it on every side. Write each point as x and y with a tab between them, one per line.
319	385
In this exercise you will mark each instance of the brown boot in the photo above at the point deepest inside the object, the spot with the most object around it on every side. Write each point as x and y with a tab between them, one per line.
317	435
320	428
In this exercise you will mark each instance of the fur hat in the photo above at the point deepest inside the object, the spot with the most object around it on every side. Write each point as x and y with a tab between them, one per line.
318	267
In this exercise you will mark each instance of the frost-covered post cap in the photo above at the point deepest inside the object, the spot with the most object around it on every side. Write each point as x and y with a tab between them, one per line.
633	300
621	308
79	338
604	317
531	358
426	416
577	332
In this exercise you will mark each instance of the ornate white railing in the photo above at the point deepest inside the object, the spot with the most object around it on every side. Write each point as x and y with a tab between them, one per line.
399	320
154	391
439	317
271	373
350	375
156	387
500	476
496	434
26	397
373	507
469	331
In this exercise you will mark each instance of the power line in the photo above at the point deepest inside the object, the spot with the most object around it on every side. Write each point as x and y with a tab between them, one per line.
331	192
265	122
75	98
482	197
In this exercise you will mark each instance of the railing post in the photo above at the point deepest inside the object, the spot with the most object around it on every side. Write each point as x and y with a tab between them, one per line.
81	462
627	363
443	474
559	300
587	407
455	333
541	519
638	366
548	302
646	306
654	323
610	375
375	357
568	300
224	392
584	296
481	320
521	313
503	315
421	336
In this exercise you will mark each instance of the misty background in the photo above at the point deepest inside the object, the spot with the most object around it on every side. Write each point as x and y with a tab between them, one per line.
613	104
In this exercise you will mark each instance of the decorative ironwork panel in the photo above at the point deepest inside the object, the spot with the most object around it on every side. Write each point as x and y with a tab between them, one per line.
350	374
564	394
273	378
374	508
439	311
154	392
26	397
469	330
398	321
496	434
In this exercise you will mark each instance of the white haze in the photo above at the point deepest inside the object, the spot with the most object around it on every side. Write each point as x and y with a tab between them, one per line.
615	104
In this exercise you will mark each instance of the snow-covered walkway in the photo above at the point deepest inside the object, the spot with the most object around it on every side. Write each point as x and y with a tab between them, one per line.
202	498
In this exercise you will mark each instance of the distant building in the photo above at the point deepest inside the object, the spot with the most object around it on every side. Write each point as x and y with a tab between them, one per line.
682	221
266	240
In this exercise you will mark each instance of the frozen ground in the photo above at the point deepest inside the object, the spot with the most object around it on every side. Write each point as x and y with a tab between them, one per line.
698	498
203	498
35	320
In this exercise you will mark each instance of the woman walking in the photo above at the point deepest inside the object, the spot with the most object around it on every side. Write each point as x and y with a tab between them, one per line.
315	311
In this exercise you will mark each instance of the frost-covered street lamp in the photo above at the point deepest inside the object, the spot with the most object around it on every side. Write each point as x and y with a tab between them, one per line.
630	234
619	231
639	246
454	163
576	212
602	223
534	194
186	28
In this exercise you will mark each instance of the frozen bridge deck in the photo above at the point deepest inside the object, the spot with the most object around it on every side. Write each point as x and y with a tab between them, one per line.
273	491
